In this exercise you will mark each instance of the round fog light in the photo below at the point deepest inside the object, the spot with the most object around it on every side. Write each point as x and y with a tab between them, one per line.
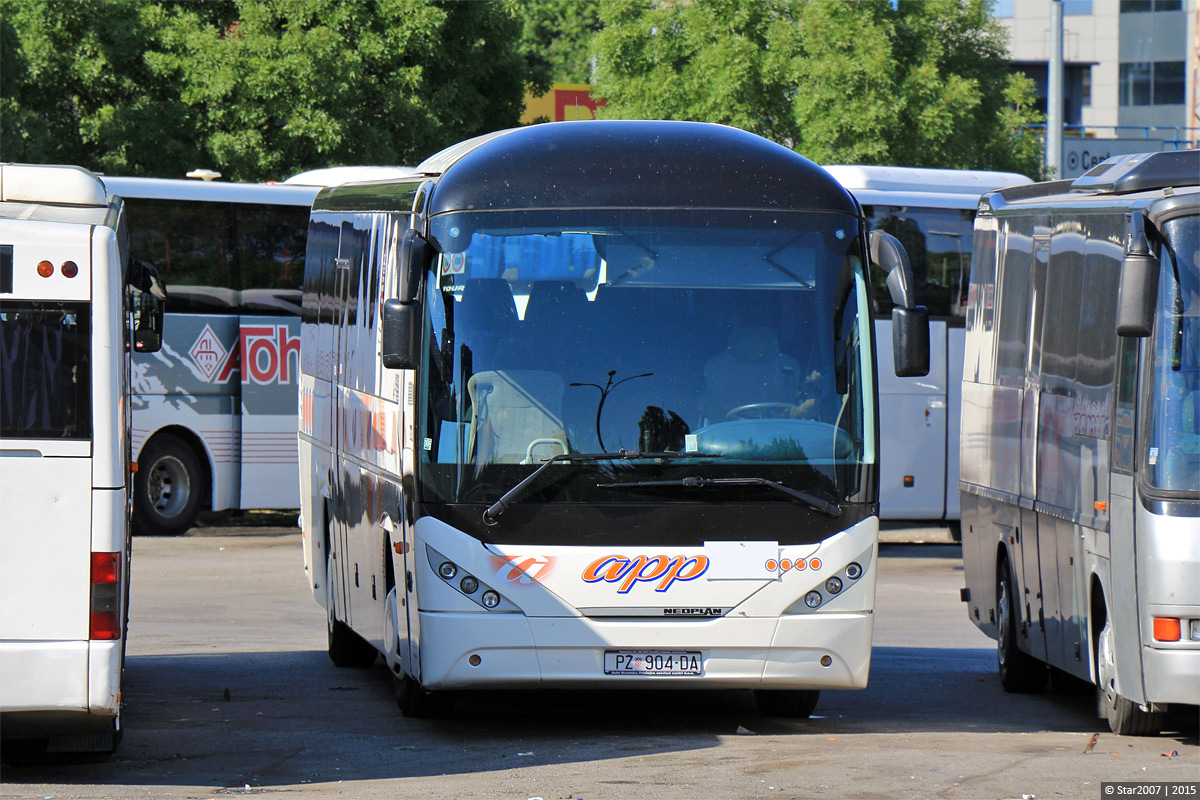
447	570
812	599
853	571
468	585
490	599
826	661
833	585
475	660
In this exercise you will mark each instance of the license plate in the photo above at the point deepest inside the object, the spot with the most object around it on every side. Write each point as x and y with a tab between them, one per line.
624	662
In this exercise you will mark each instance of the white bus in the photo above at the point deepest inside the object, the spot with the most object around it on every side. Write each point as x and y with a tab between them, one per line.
65	341
931	212
593	405
214	422
1081	434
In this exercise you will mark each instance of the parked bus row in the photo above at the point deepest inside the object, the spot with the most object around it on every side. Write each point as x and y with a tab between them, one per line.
618	429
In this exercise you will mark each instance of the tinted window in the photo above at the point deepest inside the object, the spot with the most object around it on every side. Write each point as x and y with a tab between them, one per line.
45	370
223	257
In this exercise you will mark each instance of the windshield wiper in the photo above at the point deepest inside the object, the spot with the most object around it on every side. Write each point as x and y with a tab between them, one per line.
696	482
521	489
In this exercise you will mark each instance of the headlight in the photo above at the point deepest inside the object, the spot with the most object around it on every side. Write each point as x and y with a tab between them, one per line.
468	585
447	570
812	599
833	585
490	599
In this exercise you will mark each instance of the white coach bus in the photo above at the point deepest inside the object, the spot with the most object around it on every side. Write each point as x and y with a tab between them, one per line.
932	213
593	405
65	341
1081	434
214	422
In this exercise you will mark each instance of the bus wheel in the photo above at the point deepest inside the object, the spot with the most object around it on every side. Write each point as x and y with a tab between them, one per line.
1019	671
1125	717
790	703
166	488
346	648
417	703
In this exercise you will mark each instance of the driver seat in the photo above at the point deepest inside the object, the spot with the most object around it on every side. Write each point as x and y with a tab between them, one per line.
750	370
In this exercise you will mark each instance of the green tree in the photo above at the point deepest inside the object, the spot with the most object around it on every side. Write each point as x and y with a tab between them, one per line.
841	81
75	89
556	37
254	88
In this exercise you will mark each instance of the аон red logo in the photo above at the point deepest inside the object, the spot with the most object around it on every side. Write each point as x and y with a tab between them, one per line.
629	572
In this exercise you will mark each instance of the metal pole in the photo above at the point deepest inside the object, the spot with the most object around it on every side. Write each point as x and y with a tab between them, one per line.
1054	93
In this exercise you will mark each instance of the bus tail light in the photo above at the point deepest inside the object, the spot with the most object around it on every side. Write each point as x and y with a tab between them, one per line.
1166	629
45	269
105	618
70	269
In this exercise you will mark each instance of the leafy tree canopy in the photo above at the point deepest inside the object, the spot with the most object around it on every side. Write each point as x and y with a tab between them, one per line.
256	89
923	84
557	39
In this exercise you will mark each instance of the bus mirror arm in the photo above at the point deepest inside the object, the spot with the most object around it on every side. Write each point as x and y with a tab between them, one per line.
910	322
149	303
1139	282
401	334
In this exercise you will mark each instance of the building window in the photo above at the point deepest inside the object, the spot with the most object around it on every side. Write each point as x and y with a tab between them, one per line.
1157	83
1004	9
1141	6
1077	8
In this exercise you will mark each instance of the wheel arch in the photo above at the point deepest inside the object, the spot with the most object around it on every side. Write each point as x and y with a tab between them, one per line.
198	447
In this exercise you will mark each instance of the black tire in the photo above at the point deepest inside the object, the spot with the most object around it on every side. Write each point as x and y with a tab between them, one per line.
415	702
167	487
1019	671
1125	717
789	703
346	648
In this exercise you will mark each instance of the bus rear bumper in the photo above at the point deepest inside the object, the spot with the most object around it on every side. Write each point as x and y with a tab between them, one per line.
1172	675
568	652
49	687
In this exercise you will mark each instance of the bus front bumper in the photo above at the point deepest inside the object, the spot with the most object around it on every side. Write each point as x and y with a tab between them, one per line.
568	652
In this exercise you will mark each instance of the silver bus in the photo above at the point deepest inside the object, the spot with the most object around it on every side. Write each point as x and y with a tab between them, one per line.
1080	473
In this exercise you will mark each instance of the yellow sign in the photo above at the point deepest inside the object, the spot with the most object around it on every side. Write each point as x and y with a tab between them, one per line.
564	101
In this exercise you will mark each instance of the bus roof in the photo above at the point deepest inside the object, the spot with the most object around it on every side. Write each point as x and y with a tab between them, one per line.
629	164
50	183
1164	184
918	186
336	176
210	191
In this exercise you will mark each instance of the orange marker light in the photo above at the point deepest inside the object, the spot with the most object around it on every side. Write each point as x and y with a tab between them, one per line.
45	269
1166	629
1101	505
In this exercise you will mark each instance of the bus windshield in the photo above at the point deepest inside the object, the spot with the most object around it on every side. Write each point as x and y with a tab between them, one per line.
1173	434
738	337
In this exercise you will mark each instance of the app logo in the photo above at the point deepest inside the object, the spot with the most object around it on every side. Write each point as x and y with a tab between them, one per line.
628	572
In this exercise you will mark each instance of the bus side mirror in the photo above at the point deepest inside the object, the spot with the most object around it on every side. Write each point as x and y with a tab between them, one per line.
401	334
148	306
910	322
414	260
1139	282
148	328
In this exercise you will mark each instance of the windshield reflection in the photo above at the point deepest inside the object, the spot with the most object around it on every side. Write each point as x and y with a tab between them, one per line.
552	334
1172	452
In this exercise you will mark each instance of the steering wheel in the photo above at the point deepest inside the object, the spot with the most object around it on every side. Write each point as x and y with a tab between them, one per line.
760	411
